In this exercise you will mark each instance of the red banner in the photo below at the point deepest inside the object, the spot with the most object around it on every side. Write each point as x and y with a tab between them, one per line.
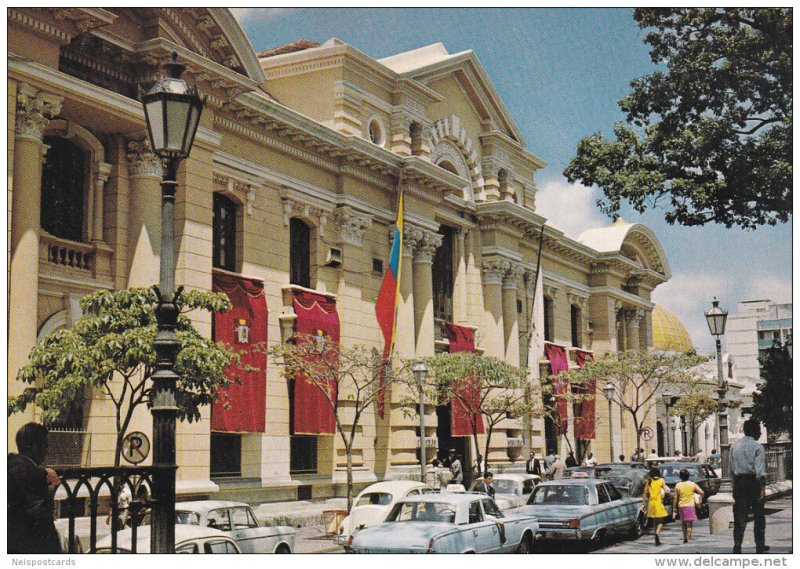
241	329
462	339
583	411
558	363
317	317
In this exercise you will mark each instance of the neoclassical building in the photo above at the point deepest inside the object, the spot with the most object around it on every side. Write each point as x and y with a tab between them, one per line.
287	203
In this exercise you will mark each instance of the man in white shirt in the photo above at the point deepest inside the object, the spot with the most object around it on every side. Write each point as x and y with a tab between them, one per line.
700	457
747	467
589	460
556	469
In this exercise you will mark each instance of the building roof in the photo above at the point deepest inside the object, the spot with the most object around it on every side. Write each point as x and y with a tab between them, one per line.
298	45
669	333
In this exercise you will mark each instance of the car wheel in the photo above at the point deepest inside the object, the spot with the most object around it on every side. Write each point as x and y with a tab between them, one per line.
526	545
283	548
637	529
599	539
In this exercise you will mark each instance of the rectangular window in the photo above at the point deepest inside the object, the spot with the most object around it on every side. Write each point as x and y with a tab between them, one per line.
226	455
299	253
224	233
548	319
443	277
377	267
303	454
575	323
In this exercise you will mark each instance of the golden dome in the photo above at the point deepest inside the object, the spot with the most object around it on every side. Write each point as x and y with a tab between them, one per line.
669	333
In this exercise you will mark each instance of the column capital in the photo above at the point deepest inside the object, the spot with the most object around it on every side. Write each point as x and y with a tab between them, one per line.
34	110
351	225
576	299
142	161
634	317
494	270
550	291
424	243
511	277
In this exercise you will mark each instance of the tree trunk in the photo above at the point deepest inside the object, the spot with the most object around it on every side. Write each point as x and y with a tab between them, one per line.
477	451
349	451
486	450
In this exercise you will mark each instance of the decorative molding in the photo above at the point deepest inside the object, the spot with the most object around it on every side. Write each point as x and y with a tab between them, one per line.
351	225
84	19
142	161
293	207
550	291
39	26
424	243
34	110
494	270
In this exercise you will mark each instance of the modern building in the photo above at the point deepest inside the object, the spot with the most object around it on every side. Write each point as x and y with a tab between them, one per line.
287	203
752	329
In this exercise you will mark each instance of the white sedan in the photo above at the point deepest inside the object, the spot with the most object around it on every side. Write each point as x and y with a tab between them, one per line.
374	503
238	521
188	539
512	490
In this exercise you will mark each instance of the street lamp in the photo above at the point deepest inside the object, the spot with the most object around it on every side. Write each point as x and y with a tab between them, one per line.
609	391
716	318
172	110
420	373
666	395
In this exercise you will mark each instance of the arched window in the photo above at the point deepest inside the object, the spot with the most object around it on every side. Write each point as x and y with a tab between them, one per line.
224	233
449	166
299	253
63	188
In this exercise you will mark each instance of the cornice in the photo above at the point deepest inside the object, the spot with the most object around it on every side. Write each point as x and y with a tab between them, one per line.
621	295
38	25
514	148
507	213
561	282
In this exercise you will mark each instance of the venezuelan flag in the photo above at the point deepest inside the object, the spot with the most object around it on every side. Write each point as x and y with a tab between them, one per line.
386	304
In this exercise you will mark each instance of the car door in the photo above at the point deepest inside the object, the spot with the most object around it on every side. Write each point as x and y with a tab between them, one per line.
484	533
603	514
247	533
493	514
621	511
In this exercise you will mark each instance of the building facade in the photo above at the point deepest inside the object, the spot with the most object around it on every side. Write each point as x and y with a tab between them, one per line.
290	193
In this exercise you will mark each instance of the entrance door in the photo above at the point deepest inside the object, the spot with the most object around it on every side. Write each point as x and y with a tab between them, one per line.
448	442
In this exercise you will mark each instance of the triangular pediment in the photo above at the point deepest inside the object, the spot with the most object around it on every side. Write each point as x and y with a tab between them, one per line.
433	62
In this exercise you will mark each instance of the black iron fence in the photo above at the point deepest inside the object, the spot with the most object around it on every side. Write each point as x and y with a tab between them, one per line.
779	461
89	492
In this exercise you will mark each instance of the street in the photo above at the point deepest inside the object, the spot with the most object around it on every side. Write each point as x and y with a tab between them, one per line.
779	537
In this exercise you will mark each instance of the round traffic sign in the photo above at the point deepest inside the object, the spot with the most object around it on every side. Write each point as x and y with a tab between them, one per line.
135	447
646	433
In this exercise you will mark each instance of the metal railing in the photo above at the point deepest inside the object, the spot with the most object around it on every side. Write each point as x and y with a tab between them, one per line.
83	490
779	461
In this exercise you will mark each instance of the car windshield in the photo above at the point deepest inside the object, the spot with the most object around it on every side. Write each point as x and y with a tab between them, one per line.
671	472
423	512
504	486
625	484
570	495
375	499
187	518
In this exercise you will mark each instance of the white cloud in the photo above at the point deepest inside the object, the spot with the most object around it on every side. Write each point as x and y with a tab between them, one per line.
770	287
569	207
242	14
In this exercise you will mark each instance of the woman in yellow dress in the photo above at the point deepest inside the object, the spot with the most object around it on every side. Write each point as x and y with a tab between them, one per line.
654	491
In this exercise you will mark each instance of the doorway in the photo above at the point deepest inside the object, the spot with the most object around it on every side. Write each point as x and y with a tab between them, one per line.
448	442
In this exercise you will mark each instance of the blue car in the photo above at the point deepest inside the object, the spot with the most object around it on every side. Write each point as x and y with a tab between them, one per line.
583	509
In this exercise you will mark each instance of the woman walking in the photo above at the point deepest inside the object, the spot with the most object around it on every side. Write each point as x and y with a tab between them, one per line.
654	491
684	502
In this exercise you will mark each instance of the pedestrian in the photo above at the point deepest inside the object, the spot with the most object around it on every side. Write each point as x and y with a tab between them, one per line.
140	508
556	469
700	457
679	454
684	503
652	458
455	468
30	495
432	475
485	485
747	465
589	460
655	490
533	465
479	467
622	458
570	462
549	459
635	456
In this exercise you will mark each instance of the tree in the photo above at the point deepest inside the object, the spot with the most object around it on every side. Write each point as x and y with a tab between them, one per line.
711	132
772	403
638	378
483	388
695	402
110	348
348	377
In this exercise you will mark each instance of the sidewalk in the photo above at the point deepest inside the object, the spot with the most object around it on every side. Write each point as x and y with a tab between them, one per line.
779	536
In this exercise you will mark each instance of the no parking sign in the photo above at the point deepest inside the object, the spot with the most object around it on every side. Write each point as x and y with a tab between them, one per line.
135	447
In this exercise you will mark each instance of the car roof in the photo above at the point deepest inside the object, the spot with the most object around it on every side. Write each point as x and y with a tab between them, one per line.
573	481
514	476
182	533
205	506
447	497
393	486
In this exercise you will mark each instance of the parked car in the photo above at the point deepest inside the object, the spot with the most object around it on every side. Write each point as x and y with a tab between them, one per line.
630	481
582	508
512	490
374	503
188	539
702	474
635	465
238	521
447	523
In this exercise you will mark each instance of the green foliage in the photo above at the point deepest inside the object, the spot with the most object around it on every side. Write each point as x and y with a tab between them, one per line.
772	403
711	131
110	348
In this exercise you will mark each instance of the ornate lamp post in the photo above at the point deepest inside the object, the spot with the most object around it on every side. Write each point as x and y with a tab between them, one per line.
420	373
608	391
172	110
716	318
666	395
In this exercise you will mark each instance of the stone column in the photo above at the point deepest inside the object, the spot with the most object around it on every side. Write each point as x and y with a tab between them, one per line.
494	329
632	320
34	109
510	315
460	312
144	217
425	245
100	179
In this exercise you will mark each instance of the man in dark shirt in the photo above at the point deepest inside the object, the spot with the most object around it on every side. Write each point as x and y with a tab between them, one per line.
533	466
485	485
570	462
30	502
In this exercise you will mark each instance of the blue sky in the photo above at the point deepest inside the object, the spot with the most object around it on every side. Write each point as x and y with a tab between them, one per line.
560	73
